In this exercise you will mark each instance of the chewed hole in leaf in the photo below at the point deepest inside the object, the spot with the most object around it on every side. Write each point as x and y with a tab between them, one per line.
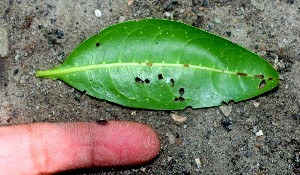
181	91
262	84
147	81
97	44
172	82
138	80
160	76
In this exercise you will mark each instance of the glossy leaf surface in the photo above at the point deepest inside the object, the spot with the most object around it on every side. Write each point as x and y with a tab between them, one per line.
164	65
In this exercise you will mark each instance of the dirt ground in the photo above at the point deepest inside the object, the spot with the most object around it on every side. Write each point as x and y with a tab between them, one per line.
37	34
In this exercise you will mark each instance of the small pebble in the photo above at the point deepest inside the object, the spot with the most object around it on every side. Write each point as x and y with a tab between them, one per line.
198	162
168	14
226	109
259	133
122	19
256	104
254	129
130	2
217	20
133	113
108	109
143	169
171	138
98	13
178	118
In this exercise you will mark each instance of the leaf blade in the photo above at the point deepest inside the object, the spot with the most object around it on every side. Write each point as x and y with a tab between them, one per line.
186	57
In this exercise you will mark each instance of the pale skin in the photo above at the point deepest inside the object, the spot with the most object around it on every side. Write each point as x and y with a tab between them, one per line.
45	148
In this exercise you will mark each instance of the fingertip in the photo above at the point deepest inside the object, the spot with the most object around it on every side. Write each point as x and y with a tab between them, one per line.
127	143
146	140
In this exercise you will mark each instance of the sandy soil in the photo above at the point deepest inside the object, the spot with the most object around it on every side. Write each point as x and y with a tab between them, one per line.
37	34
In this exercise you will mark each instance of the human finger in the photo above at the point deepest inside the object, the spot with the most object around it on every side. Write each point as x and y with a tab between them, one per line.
48	148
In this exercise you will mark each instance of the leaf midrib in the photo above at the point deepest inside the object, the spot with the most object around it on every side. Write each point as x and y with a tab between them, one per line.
68	70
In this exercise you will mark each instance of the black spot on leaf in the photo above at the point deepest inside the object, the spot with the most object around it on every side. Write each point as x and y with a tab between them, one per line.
172	82
181	91
160	76
181	99
260	76
97	44
138	80
241	74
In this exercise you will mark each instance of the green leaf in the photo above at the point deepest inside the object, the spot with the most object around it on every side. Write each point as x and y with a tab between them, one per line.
164	65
